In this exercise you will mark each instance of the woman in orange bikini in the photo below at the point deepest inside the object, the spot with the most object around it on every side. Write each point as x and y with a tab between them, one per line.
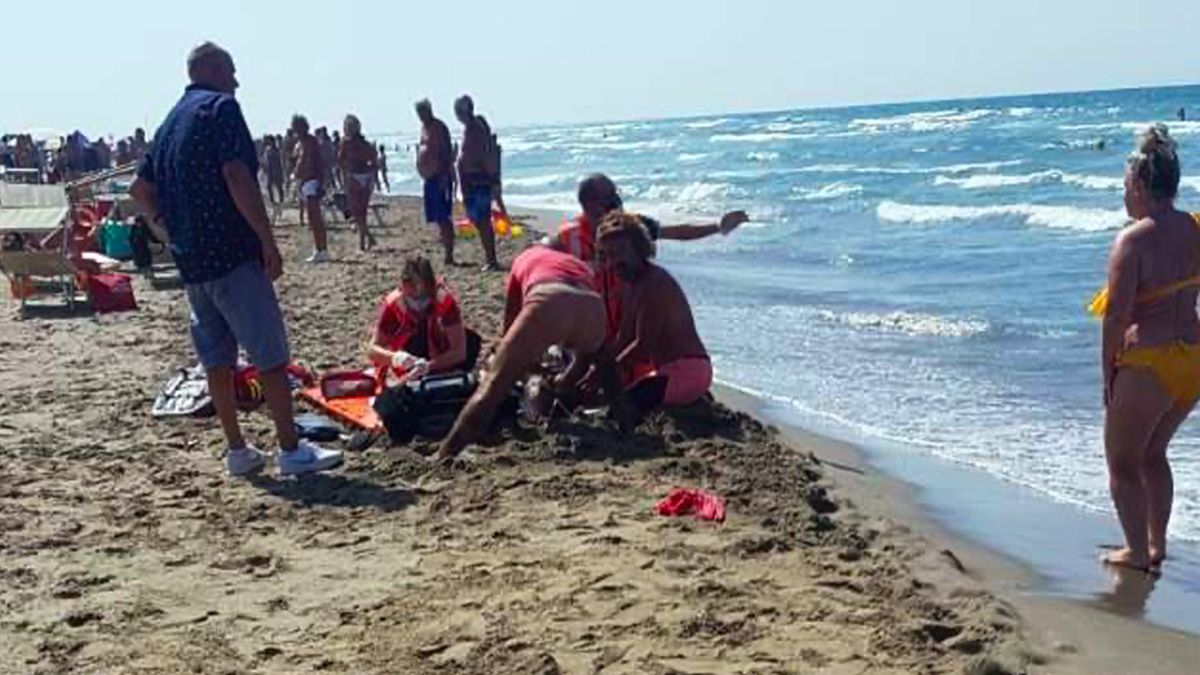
1151	348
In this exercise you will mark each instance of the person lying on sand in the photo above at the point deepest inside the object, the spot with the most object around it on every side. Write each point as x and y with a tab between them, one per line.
420	328
659	352
598	196
552	300
1151	347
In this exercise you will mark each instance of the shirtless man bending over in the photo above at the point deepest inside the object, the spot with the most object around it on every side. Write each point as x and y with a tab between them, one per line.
658	349
552	300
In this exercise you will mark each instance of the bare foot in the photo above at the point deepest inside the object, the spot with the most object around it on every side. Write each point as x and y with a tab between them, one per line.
1157	556
1126	558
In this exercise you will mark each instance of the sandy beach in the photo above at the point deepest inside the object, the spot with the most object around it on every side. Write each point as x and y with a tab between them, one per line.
125	549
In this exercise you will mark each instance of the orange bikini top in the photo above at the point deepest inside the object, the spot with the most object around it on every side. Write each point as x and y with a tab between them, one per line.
1100	301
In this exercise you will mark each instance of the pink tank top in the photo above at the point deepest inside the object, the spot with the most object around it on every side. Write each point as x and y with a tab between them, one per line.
542	264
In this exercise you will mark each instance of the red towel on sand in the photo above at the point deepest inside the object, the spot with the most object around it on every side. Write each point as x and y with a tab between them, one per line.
698	503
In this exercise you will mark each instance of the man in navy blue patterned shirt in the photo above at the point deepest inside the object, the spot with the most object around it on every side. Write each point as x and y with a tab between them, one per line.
200	181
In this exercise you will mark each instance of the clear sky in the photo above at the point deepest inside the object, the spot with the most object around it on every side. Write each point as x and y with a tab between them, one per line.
105	67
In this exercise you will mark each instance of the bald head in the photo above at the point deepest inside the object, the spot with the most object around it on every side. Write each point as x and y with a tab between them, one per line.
212	67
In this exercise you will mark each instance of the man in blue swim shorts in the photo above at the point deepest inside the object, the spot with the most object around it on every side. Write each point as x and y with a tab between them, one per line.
477	169
435	165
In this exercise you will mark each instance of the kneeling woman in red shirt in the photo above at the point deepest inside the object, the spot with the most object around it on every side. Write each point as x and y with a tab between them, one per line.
420	329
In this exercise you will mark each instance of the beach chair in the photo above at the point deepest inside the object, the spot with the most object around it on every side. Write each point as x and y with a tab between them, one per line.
33	271
32	209
36	211
379	208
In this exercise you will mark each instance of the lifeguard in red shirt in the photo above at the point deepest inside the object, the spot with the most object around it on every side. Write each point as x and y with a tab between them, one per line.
420	329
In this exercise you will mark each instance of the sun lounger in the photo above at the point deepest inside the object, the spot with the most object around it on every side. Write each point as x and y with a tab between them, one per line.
32	209
28	271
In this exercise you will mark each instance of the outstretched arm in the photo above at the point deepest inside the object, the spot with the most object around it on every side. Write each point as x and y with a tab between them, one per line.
729	222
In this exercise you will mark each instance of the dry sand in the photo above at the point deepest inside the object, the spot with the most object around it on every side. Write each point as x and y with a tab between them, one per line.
125	548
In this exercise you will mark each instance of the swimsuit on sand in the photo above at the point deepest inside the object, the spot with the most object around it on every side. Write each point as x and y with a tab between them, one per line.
1175	365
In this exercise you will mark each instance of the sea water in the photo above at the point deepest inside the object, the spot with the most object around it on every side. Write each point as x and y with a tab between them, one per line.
914	276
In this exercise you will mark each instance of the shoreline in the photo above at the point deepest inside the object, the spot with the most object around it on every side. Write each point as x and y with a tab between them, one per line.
1041	587
1095	639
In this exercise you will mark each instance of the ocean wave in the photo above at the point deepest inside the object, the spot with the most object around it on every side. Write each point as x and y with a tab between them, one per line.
708	124
826	192
795	126
995	181
1020	112
541	181
1056	217
551	201
693	156
1177	128
915	170
756	137
762	156
656	144
939	120
699	191
908	323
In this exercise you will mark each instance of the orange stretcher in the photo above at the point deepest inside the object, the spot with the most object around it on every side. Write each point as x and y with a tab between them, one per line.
355	411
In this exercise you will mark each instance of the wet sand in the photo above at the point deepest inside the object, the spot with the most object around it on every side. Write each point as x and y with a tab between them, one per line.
125	548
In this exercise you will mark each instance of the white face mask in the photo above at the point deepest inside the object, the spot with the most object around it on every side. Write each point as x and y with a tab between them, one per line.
417	304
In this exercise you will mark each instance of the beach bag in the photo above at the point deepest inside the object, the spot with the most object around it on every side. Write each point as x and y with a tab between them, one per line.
140	238
248	388
430	406
185	394
116	240
111	293
426	407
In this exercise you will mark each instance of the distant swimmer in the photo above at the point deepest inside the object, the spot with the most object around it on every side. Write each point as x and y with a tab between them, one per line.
1182	115
1151	347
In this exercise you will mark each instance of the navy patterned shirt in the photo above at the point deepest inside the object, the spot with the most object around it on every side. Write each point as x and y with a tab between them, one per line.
209	236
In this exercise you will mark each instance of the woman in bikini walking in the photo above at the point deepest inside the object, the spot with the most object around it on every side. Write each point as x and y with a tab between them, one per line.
359	163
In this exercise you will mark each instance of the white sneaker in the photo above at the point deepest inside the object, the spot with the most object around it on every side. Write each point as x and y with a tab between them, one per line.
307	458
244	461
318	258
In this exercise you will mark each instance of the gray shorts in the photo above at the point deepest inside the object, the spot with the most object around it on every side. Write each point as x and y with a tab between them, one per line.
240	308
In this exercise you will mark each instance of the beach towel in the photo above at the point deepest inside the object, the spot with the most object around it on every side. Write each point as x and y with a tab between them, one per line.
697	503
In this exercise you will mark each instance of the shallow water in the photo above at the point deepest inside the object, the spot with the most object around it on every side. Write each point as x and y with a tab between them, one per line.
915	275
